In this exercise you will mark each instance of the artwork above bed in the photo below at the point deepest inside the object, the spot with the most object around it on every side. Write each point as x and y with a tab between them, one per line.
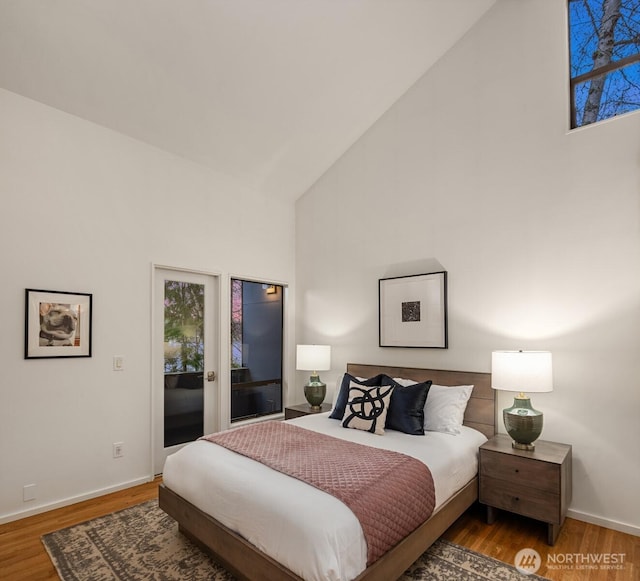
412	311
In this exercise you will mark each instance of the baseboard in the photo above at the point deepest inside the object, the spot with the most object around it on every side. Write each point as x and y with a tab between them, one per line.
5	518
603	522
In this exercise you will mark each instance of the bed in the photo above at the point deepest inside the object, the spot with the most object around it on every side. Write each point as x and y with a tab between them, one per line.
181	495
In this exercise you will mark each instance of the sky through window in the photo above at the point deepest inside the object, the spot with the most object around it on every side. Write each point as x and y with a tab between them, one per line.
604	42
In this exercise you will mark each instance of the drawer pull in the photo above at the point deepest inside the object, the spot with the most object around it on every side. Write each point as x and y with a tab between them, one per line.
517	498
517	470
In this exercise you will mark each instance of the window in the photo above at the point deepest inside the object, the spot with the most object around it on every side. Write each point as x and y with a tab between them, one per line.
256	349
604	46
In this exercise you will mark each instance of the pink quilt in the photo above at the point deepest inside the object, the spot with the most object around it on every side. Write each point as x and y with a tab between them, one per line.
390	493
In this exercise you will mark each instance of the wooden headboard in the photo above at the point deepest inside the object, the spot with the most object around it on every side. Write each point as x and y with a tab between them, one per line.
481	409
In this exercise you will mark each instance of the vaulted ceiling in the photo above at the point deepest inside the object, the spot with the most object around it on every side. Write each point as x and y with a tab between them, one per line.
271	92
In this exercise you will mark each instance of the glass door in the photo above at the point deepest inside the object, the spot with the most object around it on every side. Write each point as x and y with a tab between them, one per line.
184	360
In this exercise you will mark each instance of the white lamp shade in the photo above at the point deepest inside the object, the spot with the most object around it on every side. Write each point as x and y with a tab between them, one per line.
529	371
313	357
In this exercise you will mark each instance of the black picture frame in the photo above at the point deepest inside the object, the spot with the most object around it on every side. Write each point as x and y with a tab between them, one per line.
412	311
57	324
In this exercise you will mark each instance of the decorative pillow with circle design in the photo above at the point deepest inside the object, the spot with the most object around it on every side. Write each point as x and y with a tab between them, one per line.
343	392
367	407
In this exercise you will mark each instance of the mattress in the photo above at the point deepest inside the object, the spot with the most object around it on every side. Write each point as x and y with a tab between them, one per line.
309	531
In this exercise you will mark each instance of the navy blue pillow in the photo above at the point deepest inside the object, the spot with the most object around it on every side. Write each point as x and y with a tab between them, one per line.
406	409
343	394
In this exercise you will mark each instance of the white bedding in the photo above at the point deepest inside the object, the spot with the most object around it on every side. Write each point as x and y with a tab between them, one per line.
274	511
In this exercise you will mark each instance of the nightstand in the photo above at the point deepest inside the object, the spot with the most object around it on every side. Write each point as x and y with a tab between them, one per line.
304	409
533	483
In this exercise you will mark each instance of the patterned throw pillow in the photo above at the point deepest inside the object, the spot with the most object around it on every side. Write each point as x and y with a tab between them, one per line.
367	407
343	395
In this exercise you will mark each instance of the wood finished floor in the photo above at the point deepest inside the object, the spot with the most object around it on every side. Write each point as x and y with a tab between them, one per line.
23	557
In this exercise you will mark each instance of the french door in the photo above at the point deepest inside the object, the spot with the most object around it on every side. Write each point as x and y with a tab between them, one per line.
185	394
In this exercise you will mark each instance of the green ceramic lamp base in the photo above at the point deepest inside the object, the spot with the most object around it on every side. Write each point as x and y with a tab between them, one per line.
315	391
523	423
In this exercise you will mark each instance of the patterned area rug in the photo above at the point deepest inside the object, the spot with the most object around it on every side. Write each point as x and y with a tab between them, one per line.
143	543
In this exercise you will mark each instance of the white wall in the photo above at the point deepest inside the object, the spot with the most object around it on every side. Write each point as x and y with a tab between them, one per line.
538	228
86	209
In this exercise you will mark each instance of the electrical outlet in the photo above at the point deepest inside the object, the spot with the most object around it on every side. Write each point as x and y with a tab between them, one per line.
29	492
118	449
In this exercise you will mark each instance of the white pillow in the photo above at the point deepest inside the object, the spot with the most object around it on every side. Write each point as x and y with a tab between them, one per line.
445	407
444	410
405	382
336	390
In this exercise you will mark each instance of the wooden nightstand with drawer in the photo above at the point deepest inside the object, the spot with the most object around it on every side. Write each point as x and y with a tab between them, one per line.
304	409
536	484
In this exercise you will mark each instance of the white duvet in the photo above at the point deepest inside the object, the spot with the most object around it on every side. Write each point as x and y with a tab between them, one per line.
309	531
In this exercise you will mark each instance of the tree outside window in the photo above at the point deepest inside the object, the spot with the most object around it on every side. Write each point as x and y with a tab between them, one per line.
604	40
183	327
236	323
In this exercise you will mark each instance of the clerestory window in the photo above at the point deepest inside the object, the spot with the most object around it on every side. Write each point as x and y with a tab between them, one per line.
604	46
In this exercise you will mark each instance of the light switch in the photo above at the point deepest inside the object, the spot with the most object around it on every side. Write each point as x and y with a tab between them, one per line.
118	363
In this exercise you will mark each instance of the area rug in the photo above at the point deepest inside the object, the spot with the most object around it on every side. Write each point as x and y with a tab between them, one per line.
143	543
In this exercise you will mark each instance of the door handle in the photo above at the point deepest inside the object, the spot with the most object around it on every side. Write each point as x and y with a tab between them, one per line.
211	376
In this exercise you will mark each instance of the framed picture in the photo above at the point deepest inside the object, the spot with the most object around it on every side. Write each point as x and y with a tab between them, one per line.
412	311
57	324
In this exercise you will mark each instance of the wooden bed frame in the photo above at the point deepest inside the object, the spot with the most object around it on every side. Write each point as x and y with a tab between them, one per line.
245	561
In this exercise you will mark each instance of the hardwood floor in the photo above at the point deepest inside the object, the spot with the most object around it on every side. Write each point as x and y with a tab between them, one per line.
22	554
578	541
23	557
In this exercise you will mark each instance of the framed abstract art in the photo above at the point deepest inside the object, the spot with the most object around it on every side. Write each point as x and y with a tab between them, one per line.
412	311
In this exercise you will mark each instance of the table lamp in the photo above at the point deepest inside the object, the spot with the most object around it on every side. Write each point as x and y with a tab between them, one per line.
314	358
521	371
